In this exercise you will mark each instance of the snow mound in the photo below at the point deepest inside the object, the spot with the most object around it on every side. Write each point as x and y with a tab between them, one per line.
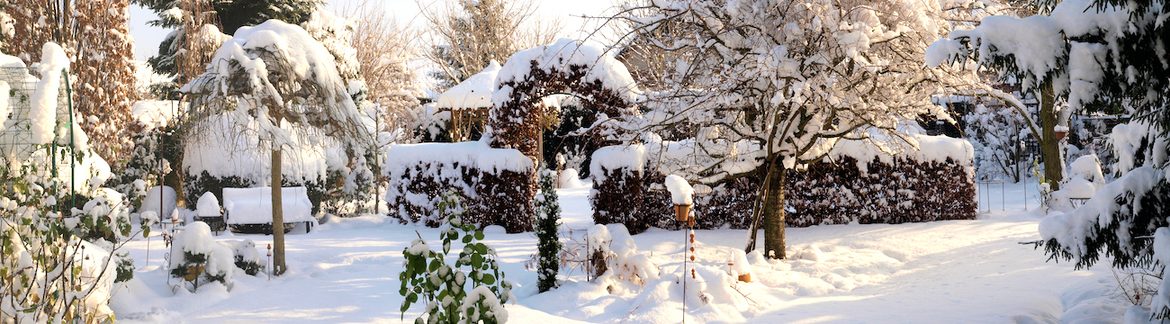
158	199
401	158
208	205
43	113
570	179
681	192
474	92
254	205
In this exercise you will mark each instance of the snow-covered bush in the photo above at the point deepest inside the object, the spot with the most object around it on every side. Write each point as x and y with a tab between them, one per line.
419	174
612	251
197	258
548	215
427	276
52	265
246	256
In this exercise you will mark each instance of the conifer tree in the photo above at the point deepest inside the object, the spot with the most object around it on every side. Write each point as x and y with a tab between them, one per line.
548	215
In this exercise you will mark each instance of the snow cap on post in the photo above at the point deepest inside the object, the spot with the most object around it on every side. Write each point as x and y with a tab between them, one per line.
44	99
681	192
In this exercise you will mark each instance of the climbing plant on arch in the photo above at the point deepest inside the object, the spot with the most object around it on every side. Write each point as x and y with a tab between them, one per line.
565	67
497	174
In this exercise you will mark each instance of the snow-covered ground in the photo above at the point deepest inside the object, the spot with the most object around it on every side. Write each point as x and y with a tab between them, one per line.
943	272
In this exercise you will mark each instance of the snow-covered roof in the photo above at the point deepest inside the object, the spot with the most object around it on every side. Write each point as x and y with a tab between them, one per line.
475	92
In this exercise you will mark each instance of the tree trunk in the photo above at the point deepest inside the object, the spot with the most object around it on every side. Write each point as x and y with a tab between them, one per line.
1049	145
774	213
278	264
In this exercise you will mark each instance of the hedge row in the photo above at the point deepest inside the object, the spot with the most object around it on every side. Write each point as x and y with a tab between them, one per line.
488	198
824	193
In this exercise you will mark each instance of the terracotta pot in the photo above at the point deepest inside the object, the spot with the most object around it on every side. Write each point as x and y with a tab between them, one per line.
747	277
682	213
1060	135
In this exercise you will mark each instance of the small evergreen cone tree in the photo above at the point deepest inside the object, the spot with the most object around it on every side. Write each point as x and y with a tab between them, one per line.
548	215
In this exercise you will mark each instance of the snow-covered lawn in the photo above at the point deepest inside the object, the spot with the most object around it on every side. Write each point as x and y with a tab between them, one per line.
942	272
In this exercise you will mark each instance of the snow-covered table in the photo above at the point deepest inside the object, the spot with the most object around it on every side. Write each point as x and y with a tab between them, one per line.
248	207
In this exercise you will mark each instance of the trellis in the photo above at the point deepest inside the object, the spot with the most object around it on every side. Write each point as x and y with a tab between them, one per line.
16	143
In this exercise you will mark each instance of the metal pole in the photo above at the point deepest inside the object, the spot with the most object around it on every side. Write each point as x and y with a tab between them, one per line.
1003	195
72	146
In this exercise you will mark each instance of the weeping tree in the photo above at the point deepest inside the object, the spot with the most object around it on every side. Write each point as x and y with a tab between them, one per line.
771	84
289	83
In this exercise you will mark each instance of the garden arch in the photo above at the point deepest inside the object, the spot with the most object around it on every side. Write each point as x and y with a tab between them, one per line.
564	67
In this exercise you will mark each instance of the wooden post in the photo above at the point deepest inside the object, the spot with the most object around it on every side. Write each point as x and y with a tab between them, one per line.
278	264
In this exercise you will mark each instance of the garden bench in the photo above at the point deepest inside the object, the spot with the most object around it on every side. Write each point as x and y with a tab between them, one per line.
249	210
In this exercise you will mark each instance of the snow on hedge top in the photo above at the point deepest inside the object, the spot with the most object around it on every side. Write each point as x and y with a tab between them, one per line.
914	146
616	157
475	92
44	99
560	55
681	192
400	158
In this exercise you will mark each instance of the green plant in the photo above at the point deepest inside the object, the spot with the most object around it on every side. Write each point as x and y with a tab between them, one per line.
426	275
48	271
548	214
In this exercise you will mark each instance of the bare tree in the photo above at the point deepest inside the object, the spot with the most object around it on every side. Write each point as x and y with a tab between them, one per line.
468	34
385	49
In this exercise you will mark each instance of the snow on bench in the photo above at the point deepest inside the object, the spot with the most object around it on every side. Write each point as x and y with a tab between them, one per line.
254	205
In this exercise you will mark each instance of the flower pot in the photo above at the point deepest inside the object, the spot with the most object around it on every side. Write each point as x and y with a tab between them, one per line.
747	277
682	212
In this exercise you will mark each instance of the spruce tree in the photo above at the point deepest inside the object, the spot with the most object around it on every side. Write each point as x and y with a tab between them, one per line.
548	215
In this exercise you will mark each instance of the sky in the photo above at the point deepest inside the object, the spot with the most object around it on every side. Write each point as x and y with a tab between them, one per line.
567	12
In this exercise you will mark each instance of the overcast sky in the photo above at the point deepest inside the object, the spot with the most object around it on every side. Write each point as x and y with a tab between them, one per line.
567	12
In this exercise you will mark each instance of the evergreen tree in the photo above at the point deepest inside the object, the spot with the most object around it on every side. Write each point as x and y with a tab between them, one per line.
230	16
548	215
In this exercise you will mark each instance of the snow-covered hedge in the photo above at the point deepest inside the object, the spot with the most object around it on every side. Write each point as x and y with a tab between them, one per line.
857	182
496	180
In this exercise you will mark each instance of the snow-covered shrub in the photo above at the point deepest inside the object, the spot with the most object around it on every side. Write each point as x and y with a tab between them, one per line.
232	157
246	256
612	251
548	215
493	178
47	271
197	258
618	187
427	276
